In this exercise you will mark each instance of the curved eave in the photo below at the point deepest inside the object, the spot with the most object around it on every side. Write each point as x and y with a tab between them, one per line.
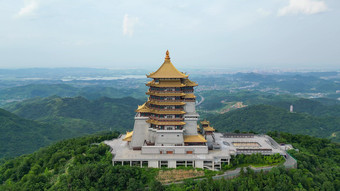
128	136
143	108
166	103
205	122
164	94
165	84
194	139
190	83
167	112
189	96
165	123
209	129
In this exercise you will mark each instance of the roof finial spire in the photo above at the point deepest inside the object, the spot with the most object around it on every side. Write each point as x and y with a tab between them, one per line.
167	57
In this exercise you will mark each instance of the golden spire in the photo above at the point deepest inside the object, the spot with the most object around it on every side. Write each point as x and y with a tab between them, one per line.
167	57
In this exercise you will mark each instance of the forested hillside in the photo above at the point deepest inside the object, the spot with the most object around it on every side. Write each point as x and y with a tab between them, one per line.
20	136
58	118
264	118
216	100
85	164
80	114
318	169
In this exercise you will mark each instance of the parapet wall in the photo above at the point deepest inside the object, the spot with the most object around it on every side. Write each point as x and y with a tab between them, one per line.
174	149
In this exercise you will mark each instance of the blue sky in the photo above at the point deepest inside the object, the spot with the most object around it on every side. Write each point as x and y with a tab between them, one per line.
204	34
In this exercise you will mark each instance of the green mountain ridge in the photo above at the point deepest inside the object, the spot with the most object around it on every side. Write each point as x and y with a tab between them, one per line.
20	136
57	118
76	112
264	118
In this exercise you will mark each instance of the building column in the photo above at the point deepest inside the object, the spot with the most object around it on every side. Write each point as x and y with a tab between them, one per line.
130	163
122	163
228	161
213	165
185	163
141	164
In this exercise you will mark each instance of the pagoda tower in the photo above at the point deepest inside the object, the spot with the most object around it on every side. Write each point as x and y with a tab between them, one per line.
168	117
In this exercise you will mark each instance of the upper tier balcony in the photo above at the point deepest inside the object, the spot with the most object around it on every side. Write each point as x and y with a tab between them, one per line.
166	119
159	100
165	93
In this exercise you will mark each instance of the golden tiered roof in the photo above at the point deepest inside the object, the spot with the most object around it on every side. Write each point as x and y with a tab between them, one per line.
128	136
205	122
143	108
188	82
165	103
189	96
155	122
171	83
165	94
209	128
194	139
167	70
166	83
167	112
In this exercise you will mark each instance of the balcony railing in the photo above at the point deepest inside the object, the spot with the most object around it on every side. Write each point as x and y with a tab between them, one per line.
159	109
153	91
159	100
166	119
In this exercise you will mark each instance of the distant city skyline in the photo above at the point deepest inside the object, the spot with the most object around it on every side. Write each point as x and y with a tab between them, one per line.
221	34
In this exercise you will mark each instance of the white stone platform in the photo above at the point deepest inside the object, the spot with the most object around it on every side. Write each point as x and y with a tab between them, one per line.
123	154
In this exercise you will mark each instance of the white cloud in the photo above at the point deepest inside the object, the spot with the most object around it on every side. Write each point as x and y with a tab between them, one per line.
129	24
263	12
30	7
307	7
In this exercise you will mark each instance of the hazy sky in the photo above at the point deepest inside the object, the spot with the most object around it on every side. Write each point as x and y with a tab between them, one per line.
136	34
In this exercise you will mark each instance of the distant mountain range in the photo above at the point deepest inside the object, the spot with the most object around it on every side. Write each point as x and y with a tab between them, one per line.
24	92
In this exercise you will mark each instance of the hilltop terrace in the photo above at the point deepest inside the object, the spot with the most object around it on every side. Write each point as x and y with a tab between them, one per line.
218	152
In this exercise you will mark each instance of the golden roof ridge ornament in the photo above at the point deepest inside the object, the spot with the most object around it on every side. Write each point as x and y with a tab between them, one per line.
167	56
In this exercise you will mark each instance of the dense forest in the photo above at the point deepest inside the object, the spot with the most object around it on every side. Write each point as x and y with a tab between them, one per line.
58	118
86	116
85	164
20	136
264	118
